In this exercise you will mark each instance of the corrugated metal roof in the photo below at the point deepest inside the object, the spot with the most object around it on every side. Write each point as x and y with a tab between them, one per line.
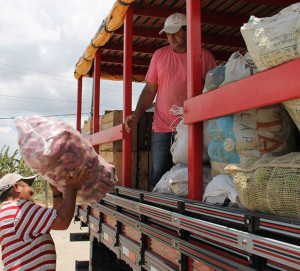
221	22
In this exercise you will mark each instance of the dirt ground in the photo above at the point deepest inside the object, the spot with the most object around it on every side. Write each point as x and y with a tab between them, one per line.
67	252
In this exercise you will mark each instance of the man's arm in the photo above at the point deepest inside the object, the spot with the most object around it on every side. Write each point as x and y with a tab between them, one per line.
146	99
57	197
65	211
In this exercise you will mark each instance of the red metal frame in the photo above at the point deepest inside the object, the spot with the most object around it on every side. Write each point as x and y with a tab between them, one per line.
112	134
264	88
79	104
270	84
96	102
127	97
194	88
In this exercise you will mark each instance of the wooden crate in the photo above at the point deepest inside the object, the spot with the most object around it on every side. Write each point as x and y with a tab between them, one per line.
87	127
141	161
111	119
116	159
144	132
141	164
144	164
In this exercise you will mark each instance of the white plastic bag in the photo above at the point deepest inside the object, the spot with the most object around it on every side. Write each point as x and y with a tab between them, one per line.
221	187
54	149
175	181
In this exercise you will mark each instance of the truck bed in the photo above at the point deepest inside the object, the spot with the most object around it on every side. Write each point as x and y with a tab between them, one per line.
152	231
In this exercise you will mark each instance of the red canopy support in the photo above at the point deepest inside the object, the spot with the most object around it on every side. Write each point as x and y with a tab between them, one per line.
127	100
79	104
195	147
96	102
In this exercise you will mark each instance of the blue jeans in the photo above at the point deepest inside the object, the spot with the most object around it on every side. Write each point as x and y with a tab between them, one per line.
161	155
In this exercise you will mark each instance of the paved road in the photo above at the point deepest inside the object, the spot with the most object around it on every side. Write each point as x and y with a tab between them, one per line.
67	252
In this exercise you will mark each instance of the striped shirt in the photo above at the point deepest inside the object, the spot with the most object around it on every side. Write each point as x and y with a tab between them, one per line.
24	236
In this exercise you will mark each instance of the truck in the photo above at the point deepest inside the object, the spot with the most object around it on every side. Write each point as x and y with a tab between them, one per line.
135	229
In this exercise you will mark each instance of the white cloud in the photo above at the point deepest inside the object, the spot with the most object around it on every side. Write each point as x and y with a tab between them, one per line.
41	41
9	136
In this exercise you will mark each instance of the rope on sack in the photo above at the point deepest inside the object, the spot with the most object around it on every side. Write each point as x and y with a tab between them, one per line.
177	111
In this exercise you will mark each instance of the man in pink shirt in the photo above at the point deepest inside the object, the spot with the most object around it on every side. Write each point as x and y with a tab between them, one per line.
167	78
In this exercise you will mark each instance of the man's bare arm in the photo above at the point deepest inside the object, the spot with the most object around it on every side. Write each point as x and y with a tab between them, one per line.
65	211
146	99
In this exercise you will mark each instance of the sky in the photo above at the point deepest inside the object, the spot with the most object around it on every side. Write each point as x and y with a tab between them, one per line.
41	42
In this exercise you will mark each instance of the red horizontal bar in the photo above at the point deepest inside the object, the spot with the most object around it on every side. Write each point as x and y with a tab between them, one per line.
272	86
206	38
207	16
109	135
279	3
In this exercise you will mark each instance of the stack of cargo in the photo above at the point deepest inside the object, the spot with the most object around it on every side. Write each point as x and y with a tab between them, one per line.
140	146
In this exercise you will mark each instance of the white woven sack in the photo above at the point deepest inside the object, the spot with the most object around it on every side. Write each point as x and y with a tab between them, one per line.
178	173
274	40
237	68
179	148
220	188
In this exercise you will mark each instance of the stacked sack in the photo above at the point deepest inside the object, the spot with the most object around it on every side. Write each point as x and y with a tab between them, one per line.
269	185
274	40
175	181
266	131
54	149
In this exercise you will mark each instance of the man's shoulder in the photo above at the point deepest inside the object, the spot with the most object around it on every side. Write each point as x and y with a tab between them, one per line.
163	50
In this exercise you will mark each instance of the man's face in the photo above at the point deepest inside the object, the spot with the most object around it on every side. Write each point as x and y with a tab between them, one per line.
25	191
178	41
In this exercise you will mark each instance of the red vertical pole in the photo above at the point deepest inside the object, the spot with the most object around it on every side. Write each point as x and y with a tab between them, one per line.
127	77
195	147
96	102
79	104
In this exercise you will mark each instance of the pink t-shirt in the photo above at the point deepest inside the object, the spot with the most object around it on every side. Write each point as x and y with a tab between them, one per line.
168	70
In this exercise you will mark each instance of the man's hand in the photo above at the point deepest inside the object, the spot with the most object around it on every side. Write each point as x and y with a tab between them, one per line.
130	119
75	183
65	211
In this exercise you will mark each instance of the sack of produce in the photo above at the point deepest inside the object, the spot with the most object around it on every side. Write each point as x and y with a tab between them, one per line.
237	68
269	185
221	189
265	131
179	148
260	132
274	40
53	149
175	181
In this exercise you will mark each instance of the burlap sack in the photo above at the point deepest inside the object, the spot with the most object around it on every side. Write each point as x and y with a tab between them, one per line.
274	40
270	185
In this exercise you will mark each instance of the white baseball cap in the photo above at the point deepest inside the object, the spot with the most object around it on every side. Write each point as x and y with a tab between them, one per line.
173	23
10	179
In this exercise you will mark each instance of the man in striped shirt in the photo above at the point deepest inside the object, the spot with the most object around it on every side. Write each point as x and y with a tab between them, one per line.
25	227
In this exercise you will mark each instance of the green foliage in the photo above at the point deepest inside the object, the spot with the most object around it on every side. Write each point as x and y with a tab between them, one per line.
10	164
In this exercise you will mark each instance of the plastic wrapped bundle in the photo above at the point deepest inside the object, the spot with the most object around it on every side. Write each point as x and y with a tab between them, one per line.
53	149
